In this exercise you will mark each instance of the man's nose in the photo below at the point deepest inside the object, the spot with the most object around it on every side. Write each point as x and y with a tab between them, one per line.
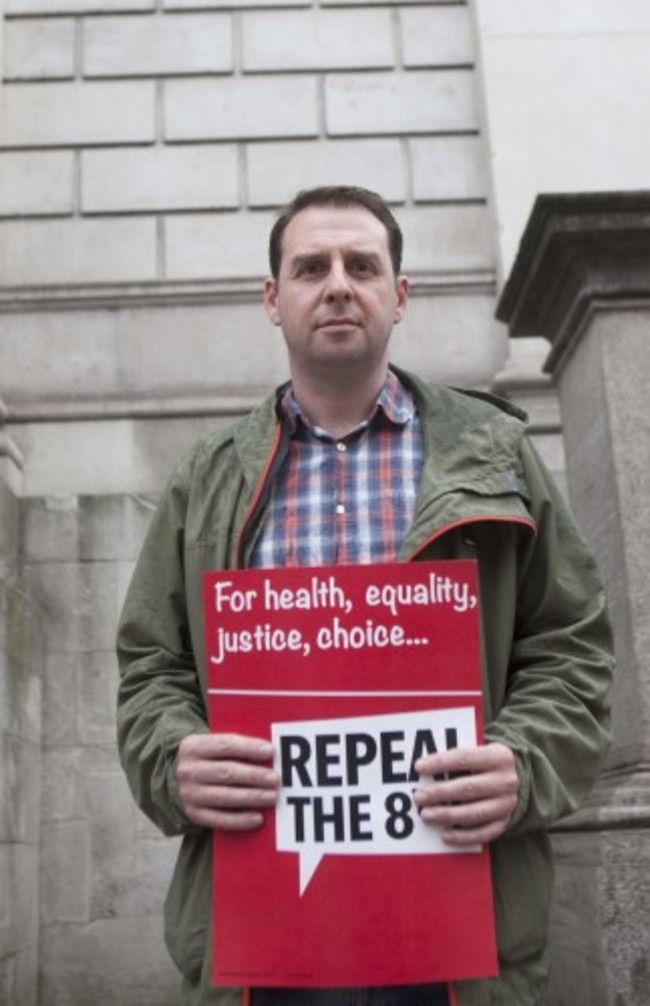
338	283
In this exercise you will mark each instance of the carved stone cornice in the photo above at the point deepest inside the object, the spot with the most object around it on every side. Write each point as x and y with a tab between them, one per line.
11	459
578	252
233	291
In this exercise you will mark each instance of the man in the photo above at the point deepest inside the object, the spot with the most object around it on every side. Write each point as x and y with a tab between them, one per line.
354	461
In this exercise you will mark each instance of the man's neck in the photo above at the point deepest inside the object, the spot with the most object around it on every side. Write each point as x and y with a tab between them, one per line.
338	409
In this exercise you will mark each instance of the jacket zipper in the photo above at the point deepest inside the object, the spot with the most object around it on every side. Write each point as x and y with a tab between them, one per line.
261	486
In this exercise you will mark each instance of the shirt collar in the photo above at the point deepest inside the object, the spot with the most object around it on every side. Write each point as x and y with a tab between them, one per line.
394	403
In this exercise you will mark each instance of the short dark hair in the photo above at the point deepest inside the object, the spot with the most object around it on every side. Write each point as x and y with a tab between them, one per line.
340	196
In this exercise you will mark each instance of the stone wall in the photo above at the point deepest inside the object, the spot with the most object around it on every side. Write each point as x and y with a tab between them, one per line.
144	146
20	766
104	868
149	144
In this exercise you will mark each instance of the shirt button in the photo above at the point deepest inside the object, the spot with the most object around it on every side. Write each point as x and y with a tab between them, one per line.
340	508
341	447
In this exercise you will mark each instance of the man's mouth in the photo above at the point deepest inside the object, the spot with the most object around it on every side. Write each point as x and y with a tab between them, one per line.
339	321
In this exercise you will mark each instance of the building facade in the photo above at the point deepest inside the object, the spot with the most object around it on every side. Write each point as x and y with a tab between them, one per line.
144	148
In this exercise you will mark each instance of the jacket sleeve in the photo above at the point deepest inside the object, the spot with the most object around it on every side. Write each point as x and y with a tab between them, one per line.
556	714
160	699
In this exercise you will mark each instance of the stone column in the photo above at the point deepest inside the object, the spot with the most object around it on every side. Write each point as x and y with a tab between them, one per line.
582	280
20	753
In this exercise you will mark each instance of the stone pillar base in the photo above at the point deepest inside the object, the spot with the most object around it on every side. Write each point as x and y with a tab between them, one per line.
599	930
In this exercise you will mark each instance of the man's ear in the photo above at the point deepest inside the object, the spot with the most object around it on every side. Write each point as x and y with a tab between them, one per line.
271	301
402	290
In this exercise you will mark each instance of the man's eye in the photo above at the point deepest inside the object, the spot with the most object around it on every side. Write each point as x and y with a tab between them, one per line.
311	268
361	267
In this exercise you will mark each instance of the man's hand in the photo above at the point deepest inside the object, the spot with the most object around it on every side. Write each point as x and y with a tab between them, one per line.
474	807
223	782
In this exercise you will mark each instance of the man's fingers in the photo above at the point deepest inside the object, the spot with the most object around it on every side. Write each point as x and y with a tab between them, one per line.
222	820
231	797
466	761
226	746
470	793
468	815
226	773
467	789
223	781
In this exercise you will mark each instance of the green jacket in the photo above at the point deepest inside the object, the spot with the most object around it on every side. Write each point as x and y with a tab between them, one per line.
547	657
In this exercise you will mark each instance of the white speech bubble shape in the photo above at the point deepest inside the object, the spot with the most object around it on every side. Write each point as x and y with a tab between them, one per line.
346	788
308	864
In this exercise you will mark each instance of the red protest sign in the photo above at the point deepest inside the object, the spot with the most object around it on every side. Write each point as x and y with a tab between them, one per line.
353	672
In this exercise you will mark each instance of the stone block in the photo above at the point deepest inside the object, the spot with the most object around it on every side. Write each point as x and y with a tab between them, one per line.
449	339
97	688
96	251
63	594
9	530
379	3
446	238
110	811
19	789
7	938
29	7
103	580
231	244
5	709
161	178
19	978
154	352
59	465
39	49
61	677
19	906
23	667
317	40
59	114
51	529
130	875
448	168
113	527
599	940
62	783
109	457
228	4
65	872
157	46
276	171
24	645
130	966
8	985
423	102
246	108
437	36
134	880
36	184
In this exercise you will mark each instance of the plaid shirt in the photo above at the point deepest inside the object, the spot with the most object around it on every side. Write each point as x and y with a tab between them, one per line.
344	500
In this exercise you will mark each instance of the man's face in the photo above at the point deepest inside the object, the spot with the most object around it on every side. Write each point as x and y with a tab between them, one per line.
336	297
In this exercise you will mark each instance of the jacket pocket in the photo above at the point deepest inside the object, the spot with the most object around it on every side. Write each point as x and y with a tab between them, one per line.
187	905
523	879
